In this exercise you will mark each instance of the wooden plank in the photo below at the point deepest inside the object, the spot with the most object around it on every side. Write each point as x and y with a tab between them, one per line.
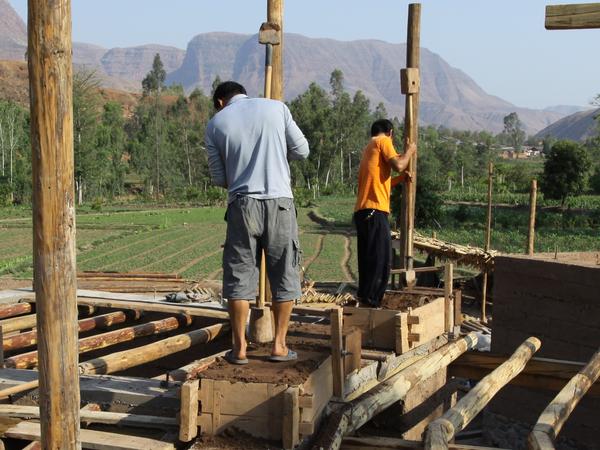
188	427
291	419
573	16
320	388
93	416
431	321
352	350
336	352
96	440
443	430
401	329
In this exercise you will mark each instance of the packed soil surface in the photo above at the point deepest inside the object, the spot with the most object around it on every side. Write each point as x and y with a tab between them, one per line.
578	258
233	440
260	370
402	301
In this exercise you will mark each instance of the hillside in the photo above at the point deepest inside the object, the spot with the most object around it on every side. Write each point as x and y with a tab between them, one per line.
577	127
449	97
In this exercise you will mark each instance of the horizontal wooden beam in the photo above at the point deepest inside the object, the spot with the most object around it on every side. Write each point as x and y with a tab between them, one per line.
363	443
103	417
540	373
571	17
99	440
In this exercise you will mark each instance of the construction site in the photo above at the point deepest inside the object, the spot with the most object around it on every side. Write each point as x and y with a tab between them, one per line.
119	361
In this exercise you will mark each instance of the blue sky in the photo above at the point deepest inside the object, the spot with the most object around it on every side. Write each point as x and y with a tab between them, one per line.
501	44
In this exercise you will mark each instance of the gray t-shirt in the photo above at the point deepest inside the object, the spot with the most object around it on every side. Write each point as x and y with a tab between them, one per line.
249	143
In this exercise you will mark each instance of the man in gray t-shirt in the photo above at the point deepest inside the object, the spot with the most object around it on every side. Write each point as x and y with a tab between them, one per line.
249	142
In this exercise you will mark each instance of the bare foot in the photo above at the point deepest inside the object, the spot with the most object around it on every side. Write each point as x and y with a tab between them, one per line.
279	350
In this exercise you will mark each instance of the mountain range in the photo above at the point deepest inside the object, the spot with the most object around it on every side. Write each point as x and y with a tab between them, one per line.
449	97
576	127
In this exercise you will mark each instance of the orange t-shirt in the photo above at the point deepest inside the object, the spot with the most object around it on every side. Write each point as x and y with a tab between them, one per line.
374	175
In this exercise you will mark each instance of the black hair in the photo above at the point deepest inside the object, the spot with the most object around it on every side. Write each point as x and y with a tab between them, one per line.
226	90
381	126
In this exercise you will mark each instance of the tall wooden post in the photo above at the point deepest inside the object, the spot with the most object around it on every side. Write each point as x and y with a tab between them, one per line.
488	240
275	15
50	89
532	206
411	132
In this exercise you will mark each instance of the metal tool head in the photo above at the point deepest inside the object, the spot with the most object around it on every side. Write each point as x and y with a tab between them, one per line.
269	33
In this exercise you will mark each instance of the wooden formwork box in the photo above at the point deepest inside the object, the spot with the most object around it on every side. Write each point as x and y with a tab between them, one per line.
276	412
400	331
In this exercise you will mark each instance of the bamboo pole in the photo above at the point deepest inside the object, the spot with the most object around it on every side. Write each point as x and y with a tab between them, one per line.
275	15
532	206
442	430
28	339
54	273
488	241
30	359
411	132
560	408
356	413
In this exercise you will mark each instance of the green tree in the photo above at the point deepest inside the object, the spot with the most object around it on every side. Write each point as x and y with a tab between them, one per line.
565	171
86	115
13	140
513	128
153	85
110	145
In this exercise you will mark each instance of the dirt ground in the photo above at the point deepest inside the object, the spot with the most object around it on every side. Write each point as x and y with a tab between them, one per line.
579	258
402	301
261	370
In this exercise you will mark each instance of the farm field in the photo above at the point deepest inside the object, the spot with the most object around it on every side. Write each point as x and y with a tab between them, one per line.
188	241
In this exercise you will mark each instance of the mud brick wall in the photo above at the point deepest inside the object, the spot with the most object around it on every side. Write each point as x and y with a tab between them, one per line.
560	304
556	302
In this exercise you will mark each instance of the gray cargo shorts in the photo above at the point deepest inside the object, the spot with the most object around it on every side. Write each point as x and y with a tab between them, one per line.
254	225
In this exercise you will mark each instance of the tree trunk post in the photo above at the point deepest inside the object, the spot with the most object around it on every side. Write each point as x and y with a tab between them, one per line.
488	240
55	278
275	15
532	206
411	132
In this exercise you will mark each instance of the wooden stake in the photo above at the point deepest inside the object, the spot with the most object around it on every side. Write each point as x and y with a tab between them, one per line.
532	206
411	132
442	430
352	415
275	15
560	408
337	359
54	274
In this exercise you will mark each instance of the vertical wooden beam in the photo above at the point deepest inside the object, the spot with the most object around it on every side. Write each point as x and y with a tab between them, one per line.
411	132
488	240
275	15
337	361
291	418
448	297
188	415
54	273
532	206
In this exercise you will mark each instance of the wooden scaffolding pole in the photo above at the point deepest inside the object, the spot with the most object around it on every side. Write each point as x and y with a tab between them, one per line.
558	411
54	273
275	15
411	134
442	430
353	415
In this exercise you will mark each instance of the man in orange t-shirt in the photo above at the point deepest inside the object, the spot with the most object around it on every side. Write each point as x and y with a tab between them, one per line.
372	208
